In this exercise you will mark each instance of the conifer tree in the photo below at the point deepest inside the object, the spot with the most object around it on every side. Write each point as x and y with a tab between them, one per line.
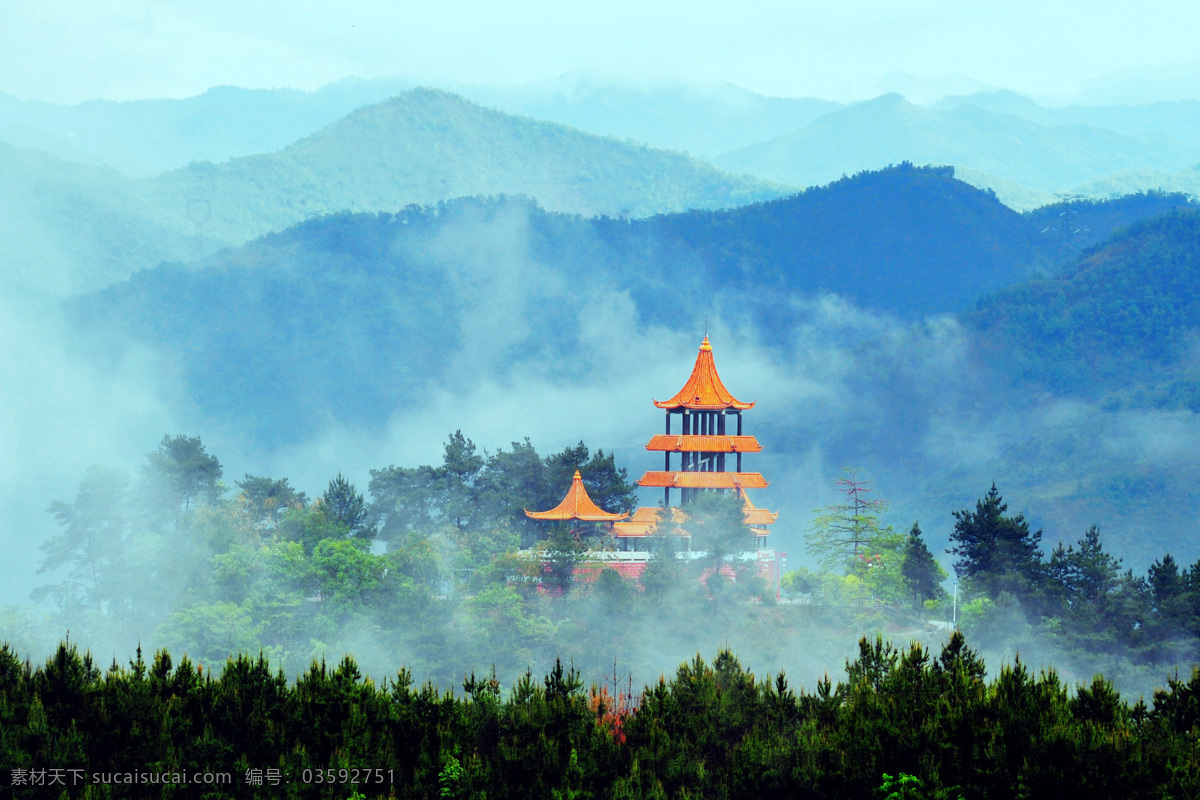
997	553
923	576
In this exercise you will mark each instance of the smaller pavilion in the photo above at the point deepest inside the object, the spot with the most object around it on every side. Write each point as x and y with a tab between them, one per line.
576	505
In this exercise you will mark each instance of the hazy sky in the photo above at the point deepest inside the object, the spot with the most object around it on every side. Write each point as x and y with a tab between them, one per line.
71	50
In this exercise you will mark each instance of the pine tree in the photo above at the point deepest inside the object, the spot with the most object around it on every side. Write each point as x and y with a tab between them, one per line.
346	507
997	553
922	574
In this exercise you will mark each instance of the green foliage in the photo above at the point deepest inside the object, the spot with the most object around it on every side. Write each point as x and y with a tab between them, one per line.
346	507
847	537
1118	316
997	553
91	545
923	575
184	469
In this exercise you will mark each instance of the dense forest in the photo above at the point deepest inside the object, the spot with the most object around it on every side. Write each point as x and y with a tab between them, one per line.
903	723
427	569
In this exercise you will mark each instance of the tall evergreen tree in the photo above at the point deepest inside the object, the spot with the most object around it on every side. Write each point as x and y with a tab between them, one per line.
923	575
1169	592
185	470
346	507
91	547
997	553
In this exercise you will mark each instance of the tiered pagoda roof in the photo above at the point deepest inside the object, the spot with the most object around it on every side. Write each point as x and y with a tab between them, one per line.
646	519
754	514
704	480
704	390
576	505
704	444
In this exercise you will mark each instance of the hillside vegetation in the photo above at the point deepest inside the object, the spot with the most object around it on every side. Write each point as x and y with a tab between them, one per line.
1122	318
831	288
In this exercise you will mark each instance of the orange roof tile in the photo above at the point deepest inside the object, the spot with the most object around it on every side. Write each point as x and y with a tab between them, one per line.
645	520
704	389
576	505
704	480
704	444
633	530
754	514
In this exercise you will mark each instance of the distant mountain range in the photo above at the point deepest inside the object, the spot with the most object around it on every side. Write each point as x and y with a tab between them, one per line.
703	119
143	138
90	225
888	130
1095	150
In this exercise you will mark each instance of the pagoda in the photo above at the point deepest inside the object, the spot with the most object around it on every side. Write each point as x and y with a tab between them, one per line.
577	506
708	443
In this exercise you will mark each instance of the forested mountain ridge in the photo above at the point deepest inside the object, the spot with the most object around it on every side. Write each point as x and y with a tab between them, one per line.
69	227
345	292
1178	119
146	137
1122	318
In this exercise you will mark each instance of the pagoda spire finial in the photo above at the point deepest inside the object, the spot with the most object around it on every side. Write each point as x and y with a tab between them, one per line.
704	390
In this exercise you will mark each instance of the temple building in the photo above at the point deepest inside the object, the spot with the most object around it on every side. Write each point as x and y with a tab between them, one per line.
709	441
707	444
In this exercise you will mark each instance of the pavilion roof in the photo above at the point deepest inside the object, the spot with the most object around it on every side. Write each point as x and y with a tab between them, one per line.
646	519
704	444
704	389
576	505
704	480
754	514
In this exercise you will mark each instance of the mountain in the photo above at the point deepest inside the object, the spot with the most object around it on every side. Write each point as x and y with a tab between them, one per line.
1178	119
1123	316
427	145
703	119
94	225
69	227
1163	82
888	130
345	294
1186	181
146	137
1076	224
